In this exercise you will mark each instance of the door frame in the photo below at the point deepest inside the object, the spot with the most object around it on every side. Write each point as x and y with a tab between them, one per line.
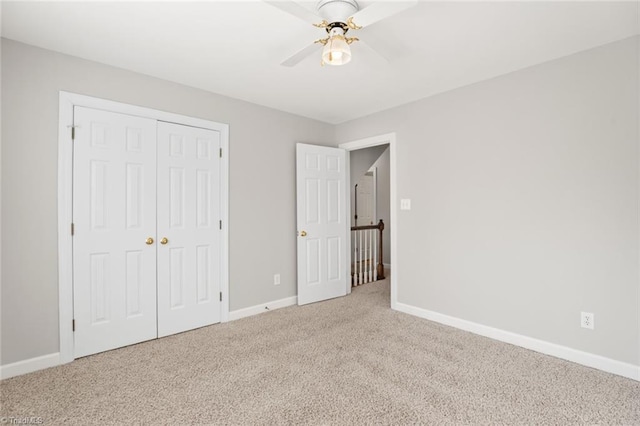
388	138
67	101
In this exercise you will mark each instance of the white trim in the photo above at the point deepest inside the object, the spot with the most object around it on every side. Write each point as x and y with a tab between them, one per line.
584	358
29	365
387	266
224	213
65	191
389	138
261	309
348	210
65	217
638	159
122	108
368	142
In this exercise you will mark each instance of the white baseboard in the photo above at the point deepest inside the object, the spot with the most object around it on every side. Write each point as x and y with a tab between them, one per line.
584	358
260	309
29	365
387	266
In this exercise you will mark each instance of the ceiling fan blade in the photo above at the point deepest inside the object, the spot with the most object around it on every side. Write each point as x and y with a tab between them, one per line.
296	58
295	9
381	10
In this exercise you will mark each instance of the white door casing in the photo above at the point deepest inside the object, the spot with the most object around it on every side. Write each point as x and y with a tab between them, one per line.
114	212
389	138
322	221
188	217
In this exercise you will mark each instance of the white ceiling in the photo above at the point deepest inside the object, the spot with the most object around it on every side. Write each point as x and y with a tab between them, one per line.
235	48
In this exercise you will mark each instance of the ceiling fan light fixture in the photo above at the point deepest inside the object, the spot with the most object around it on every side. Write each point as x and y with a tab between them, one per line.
336	51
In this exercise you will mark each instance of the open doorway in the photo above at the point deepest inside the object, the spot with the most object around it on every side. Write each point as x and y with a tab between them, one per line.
369	224
379	153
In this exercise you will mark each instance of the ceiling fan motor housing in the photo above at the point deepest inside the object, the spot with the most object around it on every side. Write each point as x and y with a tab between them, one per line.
337	10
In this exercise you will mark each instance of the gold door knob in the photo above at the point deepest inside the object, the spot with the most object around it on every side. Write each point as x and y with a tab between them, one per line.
303	233
149	241
164	240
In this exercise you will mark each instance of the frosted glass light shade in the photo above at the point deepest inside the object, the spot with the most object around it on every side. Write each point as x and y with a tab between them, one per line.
336	51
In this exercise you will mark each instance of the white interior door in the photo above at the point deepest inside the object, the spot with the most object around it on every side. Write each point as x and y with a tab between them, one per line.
322	221
188	218
114	213
365	199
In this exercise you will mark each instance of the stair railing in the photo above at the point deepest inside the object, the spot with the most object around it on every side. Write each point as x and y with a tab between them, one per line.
366	263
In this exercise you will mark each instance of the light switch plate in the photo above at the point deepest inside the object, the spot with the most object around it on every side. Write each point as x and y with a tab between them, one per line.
405	204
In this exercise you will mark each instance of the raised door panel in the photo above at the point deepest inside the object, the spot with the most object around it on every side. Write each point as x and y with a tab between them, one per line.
113	213
188	217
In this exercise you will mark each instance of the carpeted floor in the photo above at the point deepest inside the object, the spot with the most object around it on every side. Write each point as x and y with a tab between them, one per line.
346	361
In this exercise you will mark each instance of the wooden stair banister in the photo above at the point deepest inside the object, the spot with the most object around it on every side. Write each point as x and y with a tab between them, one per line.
380	263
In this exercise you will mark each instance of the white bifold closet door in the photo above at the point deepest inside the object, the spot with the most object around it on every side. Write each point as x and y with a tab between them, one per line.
114	213
188	218
146	244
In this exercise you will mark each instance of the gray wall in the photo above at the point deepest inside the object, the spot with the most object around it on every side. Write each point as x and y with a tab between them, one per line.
361	160
525	200
262	184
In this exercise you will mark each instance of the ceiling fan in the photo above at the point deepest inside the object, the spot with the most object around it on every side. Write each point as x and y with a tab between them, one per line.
337	17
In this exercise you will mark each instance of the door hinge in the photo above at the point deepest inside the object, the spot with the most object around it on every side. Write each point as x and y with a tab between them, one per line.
220	224
73	131
221	296
73	229
220	152
73	325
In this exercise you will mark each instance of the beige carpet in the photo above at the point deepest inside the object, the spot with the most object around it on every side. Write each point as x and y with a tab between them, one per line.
346	361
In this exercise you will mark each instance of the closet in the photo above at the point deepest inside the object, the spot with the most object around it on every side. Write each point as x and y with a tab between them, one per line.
146	229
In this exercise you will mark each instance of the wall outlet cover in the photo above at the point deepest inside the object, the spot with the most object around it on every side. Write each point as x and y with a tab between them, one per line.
405	204
276	279
587	320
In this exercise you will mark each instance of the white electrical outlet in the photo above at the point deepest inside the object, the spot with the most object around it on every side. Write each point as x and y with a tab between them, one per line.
276	279
405	204
587	320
